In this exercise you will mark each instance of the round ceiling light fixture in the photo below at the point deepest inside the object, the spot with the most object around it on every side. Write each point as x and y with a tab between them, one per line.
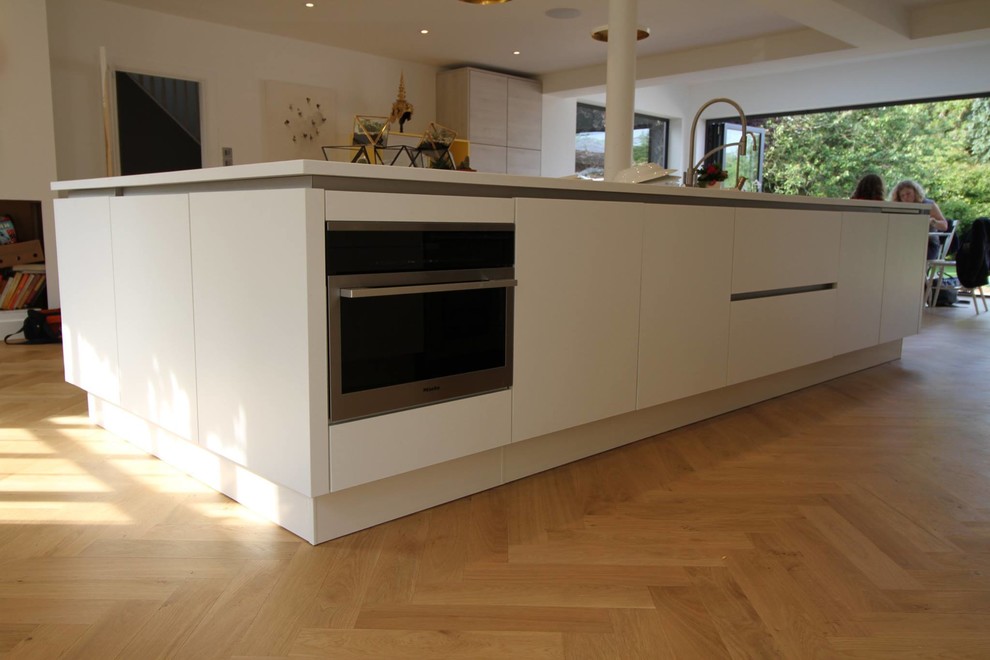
485	2
601	33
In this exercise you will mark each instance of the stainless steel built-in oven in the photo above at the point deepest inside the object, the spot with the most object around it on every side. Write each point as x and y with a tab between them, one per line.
418	313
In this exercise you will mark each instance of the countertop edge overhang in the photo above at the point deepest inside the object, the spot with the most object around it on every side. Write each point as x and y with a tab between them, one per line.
410	180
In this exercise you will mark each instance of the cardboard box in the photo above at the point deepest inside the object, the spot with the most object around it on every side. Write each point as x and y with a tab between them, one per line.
25	252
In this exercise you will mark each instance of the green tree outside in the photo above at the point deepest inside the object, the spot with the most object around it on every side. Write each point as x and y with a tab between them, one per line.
945	146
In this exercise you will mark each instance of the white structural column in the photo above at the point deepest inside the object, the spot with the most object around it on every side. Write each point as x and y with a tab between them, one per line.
620	86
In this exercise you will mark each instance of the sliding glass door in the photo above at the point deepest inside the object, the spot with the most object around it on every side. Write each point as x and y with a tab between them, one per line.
750	165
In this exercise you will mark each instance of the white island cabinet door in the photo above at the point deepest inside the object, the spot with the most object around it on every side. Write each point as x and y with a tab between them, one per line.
784	248
777	333
86	286
904	276
684	323
259	295
785	263
859	290
576	314
153	276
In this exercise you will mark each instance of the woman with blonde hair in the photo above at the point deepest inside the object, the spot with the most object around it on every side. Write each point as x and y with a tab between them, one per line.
911	192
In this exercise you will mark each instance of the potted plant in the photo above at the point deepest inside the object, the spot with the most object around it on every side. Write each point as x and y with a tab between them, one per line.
707	176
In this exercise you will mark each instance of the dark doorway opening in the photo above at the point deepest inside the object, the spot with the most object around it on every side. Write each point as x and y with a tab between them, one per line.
157	123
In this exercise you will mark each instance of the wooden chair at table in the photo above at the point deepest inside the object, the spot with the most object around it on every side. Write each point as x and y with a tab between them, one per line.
936	265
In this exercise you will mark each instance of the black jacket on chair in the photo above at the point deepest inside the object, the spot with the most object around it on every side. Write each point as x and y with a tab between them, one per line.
973	255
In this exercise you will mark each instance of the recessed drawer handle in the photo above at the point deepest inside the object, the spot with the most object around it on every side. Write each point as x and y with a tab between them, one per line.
773	293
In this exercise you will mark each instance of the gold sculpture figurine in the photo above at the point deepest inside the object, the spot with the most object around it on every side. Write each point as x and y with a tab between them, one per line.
402	109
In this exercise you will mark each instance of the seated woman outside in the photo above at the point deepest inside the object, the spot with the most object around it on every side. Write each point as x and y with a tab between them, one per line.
871	187
911	192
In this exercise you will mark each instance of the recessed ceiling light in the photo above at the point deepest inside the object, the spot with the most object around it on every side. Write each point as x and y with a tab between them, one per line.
515	52
563	12
485	2
424	31
601	33
310	4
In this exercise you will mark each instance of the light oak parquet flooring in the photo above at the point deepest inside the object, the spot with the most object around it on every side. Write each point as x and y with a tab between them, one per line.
850	519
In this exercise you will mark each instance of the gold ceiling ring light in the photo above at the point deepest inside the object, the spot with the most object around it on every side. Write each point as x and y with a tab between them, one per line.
601	33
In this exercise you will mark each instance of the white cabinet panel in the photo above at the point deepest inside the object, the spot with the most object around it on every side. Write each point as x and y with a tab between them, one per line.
493	111
487	109
684	322
782	248
576	314
259	293
86	286
767	335
524	114
486	158
904	276
524	162
453	101
378	447
153	274
859	291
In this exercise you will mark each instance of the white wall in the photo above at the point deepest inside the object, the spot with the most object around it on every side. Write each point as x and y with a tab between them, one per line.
232	65
559	126
560	123
671	102
946	72
27	145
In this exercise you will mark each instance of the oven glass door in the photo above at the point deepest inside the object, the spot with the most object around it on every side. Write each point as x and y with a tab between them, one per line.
408	339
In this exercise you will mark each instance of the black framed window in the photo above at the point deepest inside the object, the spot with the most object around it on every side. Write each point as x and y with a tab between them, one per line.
650	140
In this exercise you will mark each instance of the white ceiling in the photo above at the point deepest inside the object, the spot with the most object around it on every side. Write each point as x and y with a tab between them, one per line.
703	32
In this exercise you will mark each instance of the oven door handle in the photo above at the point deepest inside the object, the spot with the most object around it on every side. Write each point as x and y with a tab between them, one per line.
378	291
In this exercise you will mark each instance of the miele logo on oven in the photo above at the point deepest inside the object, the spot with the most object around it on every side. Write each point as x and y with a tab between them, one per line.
434	388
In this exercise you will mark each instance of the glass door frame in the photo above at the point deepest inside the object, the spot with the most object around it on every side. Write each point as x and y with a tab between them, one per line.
715	132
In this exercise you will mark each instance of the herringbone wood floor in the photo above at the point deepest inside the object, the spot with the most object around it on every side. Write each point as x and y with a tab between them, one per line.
850	519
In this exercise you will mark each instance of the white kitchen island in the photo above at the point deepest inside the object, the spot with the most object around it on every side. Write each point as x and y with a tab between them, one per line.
195	316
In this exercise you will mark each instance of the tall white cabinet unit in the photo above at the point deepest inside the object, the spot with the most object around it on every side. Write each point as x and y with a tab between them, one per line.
500	115
577	313
155	344
261	380
859	290
89	308
902	305
687	275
